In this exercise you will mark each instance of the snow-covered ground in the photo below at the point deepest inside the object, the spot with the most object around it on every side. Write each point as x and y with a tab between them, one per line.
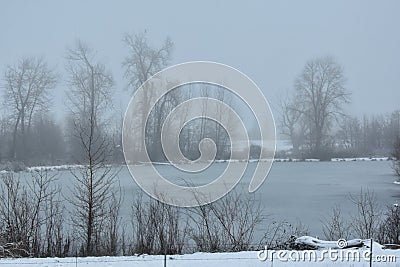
362	159
327	255
54	168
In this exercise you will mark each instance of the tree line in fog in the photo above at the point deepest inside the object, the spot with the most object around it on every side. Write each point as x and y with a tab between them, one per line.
311	115
31	135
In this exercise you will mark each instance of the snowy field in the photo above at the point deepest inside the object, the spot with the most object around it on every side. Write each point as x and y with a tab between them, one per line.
338	257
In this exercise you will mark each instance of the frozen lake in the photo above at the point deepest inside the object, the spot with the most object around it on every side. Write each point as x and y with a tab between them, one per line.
306	191
294	191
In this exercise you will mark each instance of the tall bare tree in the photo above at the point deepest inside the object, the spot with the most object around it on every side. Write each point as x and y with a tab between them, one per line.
290	120
321	95
90	85
143	61
26	90
365	222
95	189
396	156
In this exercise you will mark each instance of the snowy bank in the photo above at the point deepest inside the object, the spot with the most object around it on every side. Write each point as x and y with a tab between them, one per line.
328	253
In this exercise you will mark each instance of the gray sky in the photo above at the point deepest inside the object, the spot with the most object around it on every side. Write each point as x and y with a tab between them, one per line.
268	41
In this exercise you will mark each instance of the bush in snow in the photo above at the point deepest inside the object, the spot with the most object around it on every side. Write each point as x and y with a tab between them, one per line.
389	230
336	227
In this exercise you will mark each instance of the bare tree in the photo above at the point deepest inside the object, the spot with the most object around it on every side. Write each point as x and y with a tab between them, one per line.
144	60
56	240
158	227
155	122
336	227
200	128
393	127
321	94
95	189
219	135
26	91
396	156
90	86
350	134
239	216
366	221
290	120
389	230
29	210
228	224
140	64
205	230
5	135
373	135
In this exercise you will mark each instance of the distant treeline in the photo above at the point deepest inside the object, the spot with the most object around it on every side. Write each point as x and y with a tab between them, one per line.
312	116
375	135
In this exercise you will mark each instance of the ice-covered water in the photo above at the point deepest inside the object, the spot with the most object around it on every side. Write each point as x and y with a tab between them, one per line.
295	191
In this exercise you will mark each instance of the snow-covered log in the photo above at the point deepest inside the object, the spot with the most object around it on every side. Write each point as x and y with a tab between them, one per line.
318	244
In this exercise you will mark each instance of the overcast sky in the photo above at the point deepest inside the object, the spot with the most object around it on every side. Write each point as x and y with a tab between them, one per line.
268	41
